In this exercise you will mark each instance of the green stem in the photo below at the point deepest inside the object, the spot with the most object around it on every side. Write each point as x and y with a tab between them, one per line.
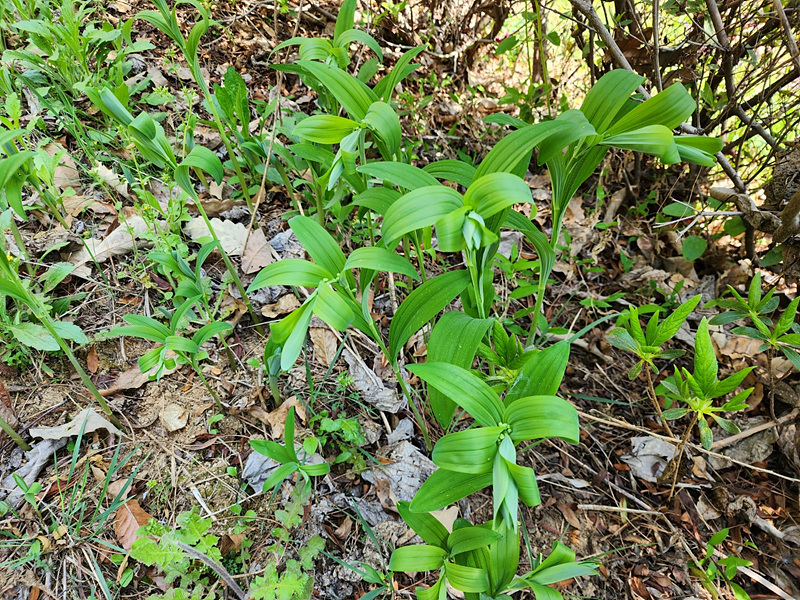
420	256
197	370
423	425
273	388
14	435
226	259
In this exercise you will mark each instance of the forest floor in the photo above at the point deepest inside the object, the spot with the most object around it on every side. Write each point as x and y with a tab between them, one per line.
606	497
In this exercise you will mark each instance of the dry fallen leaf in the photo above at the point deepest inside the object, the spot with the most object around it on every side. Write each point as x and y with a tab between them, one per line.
277	418
115	487
66	173
325	344
92	360
284	305
112	180
94	422
6	409
133	378
231	235
120	241
230	542
174	417
257	253
130	517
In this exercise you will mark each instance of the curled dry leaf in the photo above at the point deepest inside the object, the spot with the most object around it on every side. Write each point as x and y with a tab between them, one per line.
92	360
94	422
129	518
284	305
277	418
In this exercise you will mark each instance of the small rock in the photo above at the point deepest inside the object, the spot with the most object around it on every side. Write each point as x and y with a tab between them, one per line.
174	417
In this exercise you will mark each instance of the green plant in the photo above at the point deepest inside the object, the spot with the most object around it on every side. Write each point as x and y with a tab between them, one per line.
607	118
286	455
709	570
701	387
187	351
13	286
82	509
646	344
782	335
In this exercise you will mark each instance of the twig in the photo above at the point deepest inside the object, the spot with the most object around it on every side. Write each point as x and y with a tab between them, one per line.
753	430
625	425
634	511
787	28
214	566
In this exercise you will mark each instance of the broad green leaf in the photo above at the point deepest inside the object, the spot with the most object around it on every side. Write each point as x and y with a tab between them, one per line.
693	247
607	96
653	139
454	339
699	150
539	417
525	480
515	148
705	360
464	388
378	258
209	330
470	538
377	199
466	579
290	271
674	413
356	35
199	158
34	336
351	93
450	233
402	68
438	591
506	45
669	109
456	171
787	318
534	235
706	435
332	308
401	174
290	333
319	244
421	305
470	451
620	338
580	128
492	193
541	375
278	475
419	208
324	129
444	488
345	20
56	274
180	344
425	525
383	122
69	331
417	558
670	326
